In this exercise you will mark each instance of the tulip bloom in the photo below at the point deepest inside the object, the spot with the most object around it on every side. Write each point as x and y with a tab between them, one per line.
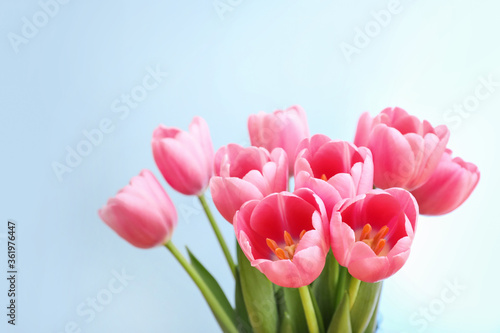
405	150
283	129
185	159
449	186
285	236
371	234
334	170
244	174
141	213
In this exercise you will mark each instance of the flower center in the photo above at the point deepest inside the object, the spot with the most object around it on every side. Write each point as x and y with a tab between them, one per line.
323	176
377	243
289	250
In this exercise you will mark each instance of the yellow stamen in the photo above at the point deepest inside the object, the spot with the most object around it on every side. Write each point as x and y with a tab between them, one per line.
288	238
379	247
280	253
289	248
323	176
381	234
302	233
272	244
377	243
365	232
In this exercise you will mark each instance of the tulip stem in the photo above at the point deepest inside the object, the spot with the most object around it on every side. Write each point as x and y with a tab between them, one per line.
222	242
312	321
205	290
353	290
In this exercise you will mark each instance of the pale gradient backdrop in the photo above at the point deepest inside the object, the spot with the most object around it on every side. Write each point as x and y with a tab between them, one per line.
66	75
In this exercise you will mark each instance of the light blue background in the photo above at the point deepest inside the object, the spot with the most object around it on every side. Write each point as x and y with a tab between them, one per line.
263	55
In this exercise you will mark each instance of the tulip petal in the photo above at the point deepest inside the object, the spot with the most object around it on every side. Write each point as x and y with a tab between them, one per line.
358	251
229	194
284	129
328	193
395	164
448	187
272	218
363	130
141	212
185	159
405	150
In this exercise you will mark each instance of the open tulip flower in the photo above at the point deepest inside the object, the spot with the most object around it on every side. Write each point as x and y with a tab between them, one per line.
185	159
405	150
142	212
334	170
282	128
285	236
244	174
312	260
449	186
371	234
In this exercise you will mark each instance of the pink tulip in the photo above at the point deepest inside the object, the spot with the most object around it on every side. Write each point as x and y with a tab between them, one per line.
285	236
334	170
141	213
283	129
371	234
449	186
405	150
244	174
185	159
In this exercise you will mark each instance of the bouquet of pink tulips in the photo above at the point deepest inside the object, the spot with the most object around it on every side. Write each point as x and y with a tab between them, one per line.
312	259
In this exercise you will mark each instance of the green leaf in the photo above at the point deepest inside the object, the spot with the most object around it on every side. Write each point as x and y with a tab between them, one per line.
341	285
258	294
317	311
243	323
295	309
286	324
279	296
324	288
372	326
364	306
341	321
214	287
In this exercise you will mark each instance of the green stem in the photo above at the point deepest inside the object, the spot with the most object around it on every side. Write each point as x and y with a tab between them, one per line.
220	238
205	290
312	322
353	290
340	286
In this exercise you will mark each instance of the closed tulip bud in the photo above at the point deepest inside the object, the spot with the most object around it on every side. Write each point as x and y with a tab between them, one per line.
141	213
280	129
449	186
405	150
185	159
